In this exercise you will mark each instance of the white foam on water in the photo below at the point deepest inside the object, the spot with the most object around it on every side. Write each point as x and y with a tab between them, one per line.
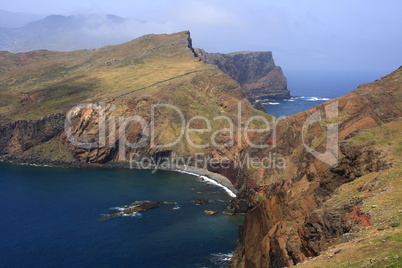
176	208
117	208
316	99
211	181
221	258
271	103
134	214
171	203
127	206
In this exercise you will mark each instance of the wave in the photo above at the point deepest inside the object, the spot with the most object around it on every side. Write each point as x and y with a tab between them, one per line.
176	208
211	181
290	99
264	100
221	259
316	99
271	103
134	214
127	206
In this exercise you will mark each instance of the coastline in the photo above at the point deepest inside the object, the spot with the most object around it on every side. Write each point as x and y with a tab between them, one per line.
211	177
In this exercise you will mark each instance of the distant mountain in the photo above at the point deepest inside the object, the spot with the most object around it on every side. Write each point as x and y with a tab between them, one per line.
14	19
64	33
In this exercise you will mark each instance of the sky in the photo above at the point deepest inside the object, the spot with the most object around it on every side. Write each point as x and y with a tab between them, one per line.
312	35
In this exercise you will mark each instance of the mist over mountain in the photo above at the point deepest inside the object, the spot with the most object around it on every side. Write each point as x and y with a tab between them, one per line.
67	33
16	19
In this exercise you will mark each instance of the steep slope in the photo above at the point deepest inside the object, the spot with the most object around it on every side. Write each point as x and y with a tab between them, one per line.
298	207
256	72
300	210
123	81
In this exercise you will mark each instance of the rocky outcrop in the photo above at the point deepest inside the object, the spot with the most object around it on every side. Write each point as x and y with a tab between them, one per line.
285	223
140	206
211	212
19	136
256	72
183	81
325	226
131	210
290	220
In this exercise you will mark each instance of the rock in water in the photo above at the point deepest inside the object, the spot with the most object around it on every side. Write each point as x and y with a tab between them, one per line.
200	201
211	212
228	213
140	206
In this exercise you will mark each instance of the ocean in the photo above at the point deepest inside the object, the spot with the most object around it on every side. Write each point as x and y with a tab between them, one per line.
55	217
310	88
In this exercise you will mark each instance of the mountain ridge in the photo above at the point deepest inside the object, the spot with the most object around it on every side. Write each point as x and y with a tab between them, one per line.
285	208
63	33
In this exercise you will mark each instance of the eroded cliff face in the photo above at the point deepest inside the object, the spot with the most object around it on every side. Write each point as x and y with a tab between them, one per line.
19	136
295	218
119	82
256	72
289	218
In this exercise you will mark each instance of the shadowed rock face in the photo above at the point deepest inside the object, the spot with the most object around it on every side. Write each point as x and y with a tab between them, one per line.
283	225
256	72
21	135
293	221
115	87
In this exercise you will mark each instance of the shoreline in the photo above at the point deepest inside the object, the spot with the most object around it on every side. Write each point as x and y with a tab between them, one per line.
211	177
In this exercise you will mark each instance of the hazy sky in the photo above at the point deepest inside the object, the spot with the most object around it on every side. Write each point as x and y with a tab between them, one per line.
313	35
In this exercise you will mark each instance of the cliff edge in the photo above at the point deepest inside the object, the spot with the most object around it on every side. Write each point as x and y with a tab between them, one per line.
341	208
256	72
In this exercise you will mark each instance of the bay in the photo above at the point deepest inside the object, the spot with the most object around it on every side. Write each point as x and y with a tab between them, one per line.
52	217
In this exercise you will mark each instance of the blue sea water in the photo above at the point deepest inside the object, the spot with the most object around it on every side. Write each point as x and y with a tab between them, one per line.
311	88
52	217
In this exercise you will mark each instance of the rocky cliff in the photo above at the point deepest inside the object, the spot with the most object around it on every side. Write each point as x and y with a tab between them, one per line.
21	135
321	196
312	205
121	81
256	72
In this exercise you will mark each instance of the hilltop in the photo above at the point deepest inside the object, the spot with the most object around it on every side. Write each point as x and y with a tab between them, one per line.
343	197
129	79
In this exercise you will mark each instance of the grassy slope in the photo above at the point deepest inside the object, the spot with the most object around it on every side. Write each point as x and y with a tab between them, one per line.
57	81
148	70
382	193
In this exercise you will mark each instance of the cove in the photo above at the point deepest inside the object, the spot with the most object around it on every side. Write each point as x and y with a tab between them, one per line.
53	217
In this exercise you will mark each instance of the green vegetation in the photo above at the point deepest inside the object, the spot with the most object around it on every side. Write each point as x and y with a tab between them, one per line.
52	149
378	245
59	80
